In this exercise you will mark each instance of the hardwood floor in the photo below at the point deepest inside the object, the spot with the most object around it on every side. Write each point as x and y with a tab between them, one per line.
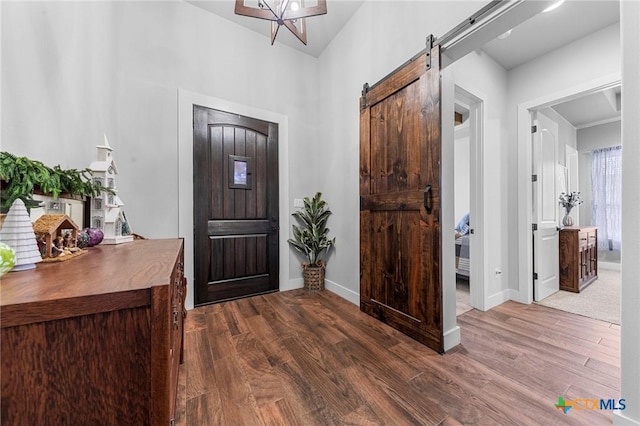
299	358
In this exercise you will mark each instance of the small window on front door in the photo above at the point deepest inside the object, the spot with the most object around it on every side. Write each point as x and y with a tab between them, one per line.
239	172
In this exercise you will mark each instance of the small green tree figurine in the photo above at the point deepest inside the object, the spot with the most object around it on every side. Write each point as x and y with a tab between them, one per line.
311	237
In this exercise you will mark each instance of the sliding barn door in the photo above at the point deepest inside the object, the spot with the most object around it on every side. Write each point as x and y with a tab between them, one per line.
400	250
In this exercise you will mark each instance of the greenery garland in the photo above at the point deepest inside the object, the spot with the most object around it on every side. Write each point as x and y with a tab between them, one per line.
21	176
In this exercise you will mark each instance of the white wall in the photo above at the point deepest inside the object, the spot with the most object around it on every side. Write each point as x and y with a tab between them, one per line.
561	71
74	70
630	290
480	75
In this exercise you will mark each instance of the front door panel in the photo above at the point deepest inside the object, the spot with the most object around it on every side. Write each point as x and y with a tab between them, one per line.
235	206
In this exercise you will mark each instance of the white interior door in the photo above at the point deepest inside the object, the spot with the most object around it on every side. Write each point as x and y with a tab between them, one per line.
545	208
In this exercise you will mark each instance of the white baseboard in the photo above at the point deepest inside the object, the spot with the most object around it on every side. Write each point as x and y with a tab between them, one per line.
609	265
516	296
293	284
620	419
343	292
333	287
451	338
498	299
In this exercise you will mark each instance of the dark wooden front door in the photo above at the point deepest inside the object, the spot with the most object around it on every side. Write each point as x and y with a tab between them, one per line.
235	212
400	250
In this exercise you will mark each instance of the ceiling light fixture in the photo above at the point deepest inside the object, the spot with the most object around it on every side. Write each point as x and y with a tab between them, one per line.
505	35
553	6
291	14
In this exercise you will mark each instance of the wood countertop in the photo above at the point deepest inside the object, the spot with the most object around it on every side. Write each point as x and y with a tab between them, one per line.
109	277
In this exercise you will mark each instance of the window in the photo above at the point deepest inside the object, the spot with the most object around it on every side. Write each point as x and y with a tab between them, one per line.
97	222
97	203
606	187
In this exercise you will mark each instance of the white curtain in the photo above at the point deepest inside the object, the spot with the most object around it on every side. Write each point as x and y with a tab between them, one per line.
606	187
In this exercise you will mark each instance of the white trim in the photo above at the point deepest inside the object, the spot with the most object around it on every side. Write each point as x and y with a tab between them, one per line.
451	338
524	294
447	224
599	123
341	291
498	299
294	283
186	100
478	284
620	419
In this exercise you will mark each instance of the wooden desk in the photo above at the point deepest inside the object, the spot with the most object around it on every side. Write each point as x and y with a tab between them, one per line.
96	339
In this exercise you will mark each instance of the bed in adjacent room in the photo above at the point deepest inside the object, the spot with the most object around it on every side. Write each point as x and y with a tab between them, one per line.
462	247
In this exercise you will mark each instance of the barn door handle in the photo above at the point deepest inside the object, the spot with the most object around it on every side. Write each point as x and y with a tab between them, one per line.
427	199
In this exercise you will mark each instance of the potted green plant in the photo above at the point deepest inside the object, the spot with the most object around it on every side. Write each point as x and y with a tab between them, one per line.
311	239
21	177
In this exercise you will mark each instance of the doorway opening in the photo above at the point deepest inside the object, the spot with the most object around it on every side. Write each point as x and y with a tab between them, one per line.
468	201
589	123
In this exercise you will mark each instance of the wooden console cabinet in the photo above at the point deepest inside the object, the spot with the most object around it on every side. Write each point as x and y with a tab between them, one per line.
578	257
96	339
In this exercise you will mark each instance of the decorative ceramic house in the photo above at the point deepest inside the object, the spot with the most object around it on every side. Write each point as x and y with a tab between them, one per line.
56	232
17	233
106	208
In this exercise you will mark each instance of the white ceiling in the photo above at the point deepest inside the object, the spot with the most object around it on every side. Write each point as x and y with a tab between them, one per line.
548	31
592	109
540	35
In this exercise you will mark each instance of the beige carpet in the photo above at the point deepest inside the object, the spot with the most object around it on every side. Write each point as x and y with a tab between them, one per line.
600	300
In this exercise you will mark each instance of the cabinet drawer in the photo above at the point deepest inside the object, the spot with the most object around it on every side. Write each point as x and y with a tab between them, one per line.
583	239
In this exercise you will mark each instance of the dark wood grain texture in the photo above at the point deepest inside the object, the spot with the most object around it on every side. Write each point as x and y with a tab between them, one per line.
400	249
578	257
87	285
60	371
236	226
115	357
302	358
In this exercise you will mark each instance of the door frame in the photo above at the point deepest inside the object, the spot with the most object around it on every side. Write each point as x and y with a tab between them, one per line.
184	155
524	294
477	280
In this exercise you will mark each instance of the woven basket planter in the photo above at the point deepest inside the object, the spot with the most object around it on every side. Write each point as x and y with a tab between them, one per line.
313	278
